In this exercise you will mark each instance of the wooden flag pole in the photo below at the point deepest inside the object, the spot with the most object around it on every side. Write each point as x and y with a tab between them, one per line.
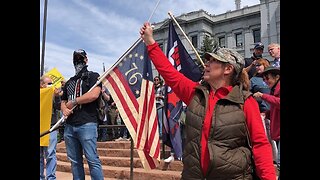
194	49
153	10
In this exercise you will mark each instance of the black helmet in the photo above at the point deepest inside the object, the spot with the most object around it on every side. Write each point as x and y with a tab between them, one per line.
259	45
79	56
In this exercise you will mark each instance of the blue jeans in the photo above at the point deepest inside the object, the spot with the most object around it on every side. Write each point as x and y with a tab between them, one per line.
83	139
49	152
160	119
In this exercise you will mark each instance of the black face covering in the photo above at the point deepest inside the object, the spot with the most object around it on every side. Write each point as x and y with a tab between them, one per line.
78	62
79	67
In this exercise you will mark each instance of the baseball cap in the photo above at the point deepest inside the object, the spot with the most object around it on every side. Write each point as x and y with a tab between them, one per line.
259	45
228	55
80	52
78	56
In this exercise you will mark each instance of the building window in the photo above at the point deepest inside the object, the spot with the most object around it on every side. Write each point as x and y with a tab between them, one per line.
256	35
239	42
194	40
222	42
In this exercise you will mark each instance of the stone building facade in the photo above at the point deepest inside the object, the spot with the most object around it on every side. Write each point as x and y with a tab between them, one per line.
237	29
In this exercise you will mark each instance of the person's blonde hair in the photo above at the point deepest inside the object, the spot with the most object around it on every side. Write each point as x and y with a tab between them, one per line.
42	78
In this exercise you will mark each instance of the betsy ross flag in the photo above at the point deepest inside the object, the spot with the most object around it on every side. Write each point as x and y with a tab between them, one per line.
130	84
182	61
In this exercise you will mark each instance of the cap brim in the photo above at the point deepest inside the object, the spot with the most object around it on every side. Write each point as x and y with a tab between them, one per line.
208	55
273	71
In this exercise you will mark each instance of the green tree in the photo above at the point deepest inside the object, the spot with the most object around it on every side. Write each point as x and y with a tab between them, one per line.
209	44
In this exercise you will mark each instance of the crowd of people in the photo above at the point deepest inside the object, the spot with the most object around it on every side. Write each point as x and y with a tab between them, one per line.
232	113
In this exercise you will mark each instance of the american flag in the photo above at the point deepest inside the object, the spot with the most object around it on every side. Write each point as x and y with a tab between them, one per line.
130	84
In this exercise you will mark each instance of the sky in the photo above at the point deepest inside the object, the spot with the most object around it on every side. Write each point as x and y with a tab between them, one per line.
105	29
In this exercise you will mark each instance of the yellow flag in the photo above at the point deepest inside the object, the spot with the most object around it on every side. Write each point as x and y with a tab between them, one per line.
46	95
56	77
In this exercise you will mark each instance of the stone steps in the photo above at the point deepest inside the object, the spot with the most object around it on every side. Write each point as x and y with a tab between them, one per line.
124	172
115	159
125	162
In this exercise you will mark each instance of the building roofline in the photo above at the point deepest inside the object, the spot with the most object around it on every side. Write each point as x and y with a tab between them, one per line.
204	15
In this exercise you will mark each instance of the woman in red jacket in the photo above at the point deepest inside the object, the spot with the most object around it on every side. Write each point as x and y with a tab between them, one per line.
271	75
222	118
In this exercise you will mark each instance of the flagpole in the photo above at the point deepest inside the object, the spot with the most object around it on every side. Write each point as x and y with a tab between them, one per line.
133	46
153	11
197	55
43	37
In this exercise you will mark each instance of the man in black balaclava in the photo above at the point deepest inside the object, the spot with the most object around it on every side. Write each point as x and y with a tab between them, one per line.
79	106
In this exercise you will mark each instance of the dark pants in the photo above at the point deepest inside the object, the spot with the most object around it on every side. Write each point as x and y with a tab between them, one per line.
60	133
102	132
124	133
112	120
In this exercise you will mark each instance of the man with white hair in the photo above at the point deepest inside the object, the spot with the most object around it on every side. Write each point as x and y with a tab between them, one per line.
274	51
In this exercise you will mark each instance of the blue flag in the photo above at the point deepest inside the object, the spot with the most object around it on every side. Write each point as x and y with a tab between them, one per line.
180	58
182	61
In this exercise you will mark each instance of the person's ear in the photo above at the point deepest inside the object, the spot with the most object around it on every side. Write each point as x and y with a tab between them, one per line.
228	69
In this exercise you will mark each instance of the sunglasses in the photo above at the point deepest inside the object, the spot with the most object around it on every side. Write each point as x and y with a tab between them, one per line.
258	65
50	83
156	79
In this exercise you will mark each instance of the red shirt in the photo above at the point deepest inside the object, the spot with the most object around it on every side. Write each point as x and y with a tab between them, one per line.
184	89
274	101
213	98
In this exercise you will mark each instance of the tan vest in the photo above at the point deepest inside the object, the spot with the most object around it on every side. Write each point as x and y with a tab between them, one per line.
228	145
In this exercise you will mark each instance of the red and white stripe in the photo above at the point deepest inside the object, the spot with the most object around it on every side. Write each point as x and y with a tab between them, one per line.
139	116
